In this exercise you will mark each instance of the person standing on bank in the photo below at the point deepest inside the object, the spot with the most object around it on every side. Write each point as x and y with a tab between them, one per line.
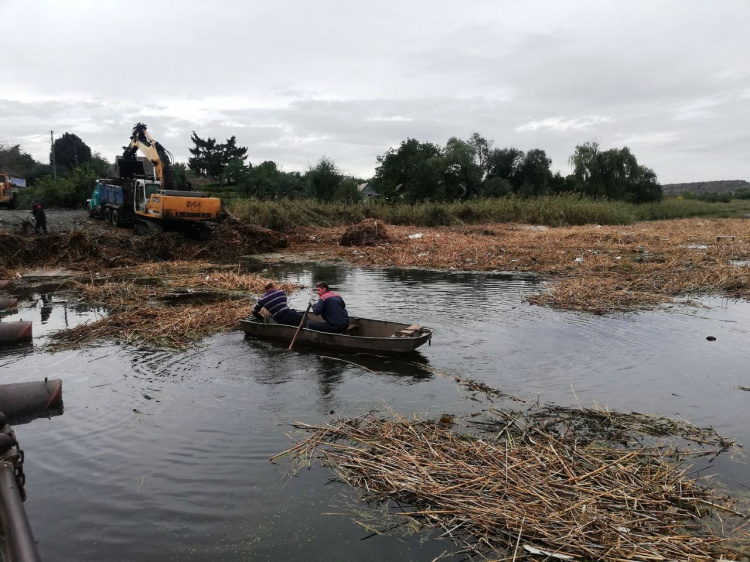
274	301
332	308
40	217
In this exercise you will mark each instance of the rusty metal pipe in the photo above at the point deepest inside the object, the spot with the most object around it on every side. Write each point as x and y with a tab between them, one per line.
21	543
4	283
14	332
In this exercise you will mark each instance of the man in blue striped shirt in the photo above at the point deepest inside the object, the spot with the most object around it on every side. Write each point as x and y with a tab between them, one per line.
274	301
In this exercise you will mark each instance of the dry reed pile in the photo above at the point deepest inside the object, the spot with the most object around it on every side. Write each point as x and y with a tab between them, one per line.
520	489
367	233
595	269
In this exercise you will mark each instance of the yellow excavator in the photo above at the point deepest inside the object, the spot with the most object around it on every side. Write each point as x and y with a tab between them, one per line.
157	203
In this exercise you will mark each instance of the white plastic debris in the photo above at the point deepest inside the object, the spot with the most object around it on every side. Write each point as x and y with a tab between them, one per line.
534	550
578	260
415	236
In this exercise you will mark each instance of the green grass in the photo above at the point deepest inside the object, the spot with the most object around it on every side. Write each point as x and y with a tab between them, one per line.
564	210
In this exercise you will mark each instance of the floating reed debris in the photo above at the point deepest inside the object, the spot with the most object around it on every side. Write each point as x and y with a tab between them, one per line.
523	490
140	313
169	327
595	268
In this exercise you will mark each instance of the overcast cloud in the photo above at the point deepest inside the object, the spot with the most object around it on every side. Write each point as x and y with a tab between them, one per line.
297	80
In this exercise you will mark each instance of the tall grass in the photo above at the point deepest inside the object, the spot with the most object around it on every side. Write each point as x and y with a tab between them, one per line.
562	210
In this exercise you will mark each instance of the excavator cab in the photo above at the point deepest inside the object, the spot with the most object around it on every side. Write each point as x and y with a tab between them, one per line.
143	192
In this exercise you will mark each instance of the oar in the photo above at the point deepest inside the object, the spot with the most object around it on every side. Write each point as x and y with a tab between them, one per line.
302	323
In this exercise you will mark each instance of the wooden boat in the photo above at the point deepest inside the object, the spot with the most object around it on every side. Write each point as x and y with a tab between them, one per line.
29	397
363	335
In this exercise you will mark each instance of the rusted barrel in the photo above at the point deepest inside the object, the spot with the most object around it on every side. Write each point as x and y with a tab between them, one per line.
5	304
14	332
4	283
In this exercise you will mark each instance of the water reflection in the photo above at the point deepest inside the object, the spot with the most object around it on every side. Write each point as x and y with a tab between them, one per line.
280	366
50	312
21	419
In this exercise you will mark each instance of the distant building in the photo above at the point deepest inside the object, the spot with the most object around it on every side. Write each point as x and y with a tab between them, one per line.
367	189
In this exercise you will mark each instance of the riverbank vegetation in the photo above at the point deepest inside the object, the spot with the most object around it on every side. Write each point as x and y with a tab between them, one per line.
288	215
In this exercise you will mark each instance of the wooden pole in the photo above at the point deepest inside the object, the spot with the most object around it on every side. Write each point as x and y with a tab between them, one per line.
302	323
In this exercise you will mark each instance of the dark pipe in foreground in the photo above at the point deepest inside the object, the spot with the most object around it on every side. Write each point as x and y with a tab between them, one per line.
29	397
14	332
4	283
20	539
5	304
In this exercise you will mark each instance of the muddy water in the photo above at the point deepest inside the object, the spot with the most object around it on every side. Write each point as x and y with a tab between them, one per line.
162	456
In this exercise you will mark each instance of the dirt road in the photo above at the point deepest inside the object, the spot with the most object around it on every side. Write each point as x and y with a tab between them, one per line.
58	220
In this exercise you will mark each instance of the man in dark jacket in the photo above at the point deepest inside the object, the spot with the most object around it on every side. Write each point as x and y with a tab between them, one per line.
333	310
274	301
40	217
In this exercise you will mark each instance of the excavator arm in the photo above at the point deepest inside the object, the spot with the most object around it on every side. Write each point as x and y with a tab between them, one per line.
154	151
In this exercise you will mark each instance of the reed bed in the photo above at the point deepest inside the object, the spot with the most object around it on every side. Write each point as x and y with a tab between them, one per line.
288	215
519	489
594	268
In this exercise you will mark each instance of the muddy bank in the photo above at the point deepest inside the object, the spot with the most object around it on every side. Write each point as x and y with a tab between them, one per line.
95	245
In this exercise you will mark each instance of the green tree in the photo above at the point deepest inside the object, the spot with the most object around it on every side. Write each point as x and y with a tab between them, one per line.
505	163
70	152
495	187
647	189
99	164
14	161
211	158
323	180
461	175
70	191
348	191
413	166
534	175
482	149
180	174
613	173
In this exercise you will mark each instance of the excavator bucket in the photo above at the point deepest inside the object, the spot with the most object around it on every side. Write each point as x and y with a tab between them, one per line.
129	168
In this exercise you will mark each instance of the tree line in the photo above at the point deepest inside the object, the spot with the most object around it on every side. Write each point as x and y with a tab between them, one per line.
423	171
412	172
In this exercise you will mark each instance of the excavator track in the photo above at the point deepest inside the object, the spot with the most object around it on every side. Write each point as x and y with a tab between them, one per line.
144	227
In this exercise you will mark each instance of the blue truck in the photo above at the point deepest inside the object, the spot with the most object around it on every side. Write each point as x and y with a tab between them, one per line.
112	200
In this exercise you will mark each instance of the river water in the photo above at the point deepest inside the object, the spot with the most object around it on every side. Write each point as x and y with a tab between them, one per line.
164	456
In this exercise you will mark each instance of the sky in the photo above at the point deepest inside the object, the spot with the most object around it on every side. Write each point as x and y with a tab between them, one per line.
297	80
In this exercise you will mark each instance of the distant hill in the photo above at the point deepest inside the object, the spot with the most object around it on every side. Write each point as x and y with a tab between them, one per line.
699	187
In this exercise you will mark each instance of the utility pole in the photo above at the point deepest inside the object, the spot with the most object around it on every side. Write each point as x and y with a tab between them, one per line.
52	143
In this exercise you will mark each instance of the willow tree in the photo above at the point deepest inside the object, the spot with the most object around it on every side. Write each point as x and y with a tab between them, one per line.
613	173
